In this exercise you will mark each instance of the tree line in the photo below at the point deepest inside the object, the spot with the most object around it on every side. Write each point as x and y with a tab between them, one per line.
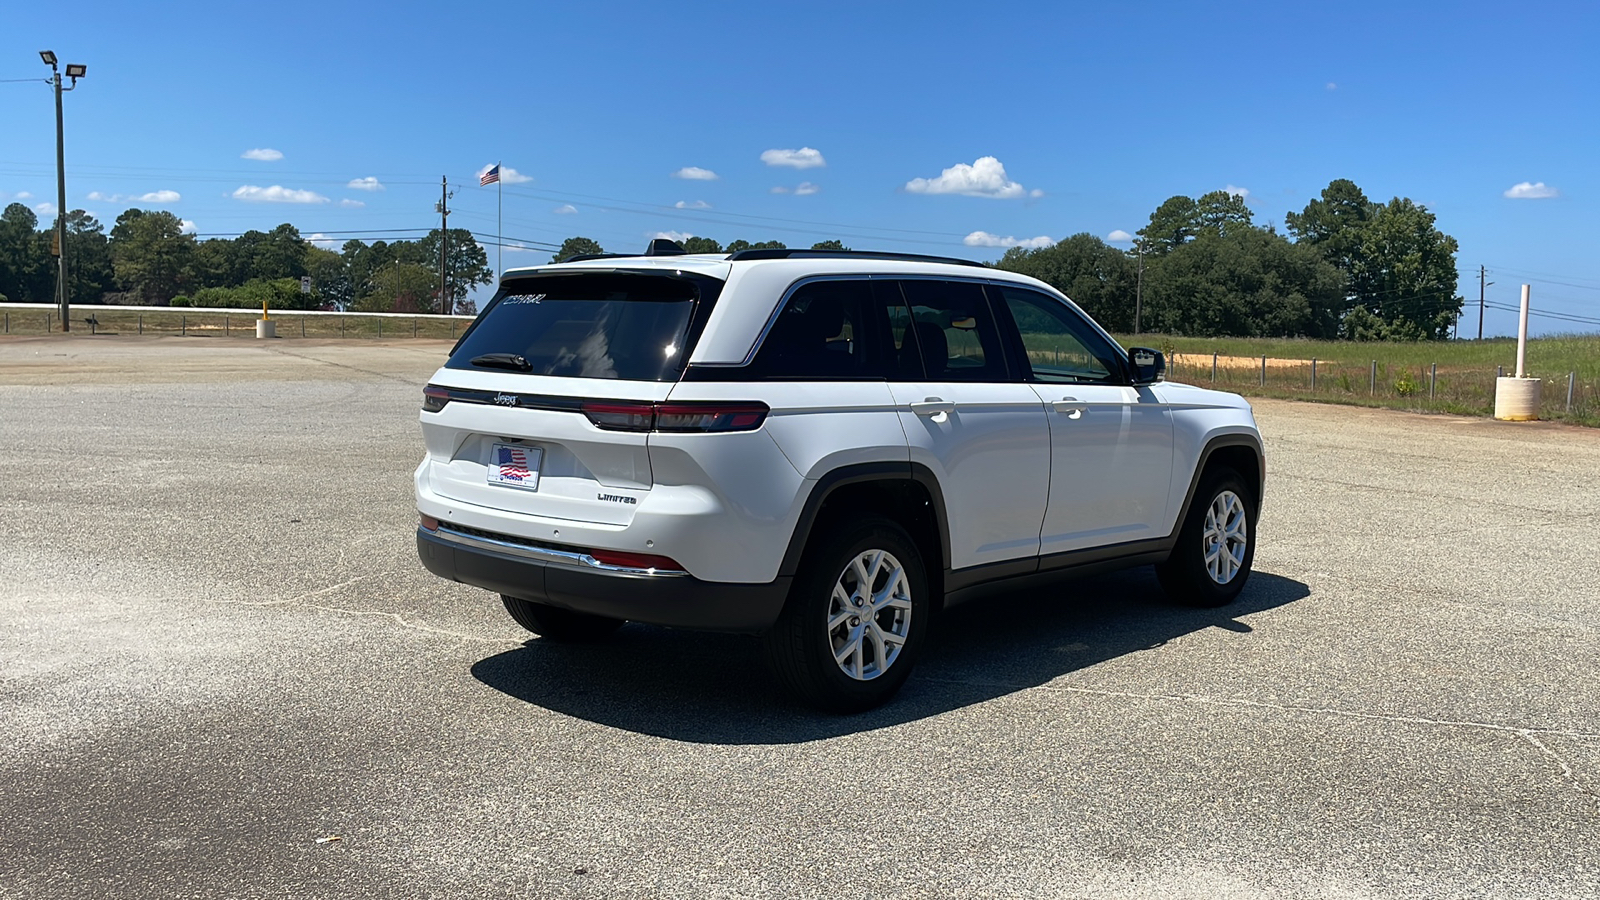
1348	267
582	246
1356	269
148	260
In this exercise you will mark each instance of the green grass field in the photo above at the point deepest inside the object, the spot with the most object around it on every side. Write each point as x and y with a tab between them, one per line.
1455	377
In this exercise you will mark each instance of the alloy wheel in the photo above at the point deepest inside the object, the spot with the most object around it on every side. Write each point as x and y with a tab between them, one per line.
1225	537
869	614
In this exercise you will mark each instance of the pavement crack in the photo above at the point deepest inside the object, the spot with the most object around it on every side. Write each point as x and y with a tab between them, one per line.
414	626
1578	783
398	619
295	599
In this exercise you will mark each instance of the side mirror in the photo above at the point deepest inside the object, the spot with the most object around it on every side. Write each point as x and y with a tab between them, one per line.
1148	366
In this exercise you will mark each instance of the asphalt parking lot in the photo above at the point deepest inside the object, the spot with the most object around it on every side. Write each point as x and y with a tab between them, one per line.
219	652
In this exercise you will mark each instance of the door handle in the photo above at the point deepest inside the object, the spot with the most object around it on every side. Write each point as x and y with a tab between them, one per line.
1072	406
933	406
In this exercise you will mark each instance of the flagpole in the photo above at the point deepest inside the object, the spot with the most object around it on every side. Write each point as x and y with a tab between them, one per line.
499	221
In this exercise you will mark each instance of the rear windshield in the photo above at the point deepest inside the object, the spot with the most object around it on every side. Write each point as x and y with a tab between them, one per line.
604	325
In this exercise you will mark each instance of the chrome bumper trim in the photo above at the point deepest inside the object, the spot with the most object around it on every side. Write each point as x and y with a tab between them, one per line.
575	559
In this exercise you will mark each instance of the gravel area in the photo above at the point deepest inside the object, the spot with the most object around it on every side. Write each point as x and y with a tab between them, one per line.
223	673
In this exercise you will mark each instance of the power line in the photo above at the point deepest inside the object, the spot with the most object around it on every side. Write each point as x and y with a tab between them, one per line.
1583	320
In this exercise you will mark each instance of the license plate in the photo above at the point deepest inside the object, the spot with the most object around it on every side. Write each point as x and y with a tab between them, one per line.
514	465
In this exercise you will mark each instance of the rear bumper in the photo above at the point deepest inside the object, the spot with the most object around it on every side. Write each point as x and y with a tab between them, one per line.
678	601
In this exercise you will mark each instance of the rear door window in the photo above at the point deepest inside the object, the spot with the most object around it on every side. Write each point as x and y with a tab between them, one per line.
835	329
604	325
954	330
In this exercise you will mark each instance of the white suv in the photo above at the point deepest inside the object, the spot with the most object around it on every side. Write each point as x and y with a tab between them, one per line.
825	448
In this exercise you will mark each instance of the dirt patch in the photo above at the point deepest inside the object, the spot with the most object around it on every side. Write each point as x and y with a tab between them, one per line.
1203	360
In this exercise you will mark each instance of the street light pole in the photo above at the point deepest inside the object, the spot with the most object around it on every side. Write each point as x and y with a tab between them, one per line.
61	213
74	71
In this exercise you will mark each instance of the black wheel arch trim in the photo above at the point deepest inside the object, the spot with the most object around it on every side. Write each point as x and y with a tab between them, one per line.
863	473
1233	439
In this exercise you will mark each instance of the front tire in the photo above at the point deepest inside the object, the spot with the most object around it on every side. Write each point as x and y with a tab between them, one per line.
558	624
856	618
1216	547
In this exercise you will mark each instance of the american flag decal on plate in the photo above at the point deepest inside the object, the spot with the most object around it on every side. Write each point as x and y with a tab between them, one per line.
514	466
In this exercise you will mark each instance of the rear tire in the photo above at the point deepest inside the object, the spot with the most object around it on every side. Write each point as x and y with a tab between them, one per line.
856	618
1216	547
558	624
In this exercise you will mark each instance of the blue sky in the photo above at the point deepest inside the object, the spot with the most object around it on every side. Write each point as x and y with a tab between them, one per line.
1095	113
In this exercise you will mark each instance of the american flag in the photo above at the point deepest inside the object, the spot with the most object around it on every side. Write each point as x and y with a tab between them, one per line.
491	176
513	463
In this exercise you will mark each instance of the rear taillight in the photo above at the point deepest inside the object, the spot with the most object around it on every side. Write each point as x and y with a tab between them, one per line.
645	561
434	399
429	523
621	416
710	416
680	418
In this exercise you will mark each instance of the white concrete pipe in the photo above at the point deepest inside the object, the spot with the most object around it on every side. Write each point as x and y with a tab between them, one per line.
266	328
1516	399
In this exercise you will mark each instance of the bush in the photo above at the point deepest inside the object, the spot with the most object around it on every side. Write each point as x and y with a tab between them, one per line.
181	300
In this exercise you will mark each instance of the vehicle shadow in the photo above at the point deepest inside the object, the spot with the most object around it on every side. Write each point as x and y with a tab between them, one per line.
714	689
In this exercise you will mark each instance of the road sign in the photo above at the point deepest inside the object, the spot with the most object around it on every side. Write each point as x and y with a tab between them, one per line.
305	284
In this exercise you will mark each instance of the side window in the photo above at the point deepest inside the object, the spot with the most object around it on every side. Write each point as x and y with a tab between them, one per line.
831	329
954	331
1061	347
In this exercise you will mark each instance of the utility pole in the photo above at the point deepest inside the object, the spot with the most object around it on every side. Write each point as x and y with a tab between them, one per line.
1138	288
446	302
1481	285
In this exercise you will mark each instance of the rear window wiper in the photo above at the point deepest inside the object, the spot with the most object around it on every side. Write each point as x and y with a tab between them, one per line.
503	361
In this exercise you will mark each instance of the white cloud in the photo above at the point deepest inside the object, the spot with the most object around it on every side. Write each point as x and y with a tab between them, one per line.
986	177
265	154
780	189
1332	86
23	195
45	209
187	226
565	209
104	198
695	173
507	174
368	183
694	204
519	248
321	240
1537	190
679	236
804	158
806	188
1119	237
347	203
277	194
162	196
1241	193
985	239
1036	193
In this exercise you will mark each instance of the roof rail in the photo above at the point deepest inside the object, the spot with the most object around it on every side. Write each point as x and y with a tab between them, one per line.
580	257
775	253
